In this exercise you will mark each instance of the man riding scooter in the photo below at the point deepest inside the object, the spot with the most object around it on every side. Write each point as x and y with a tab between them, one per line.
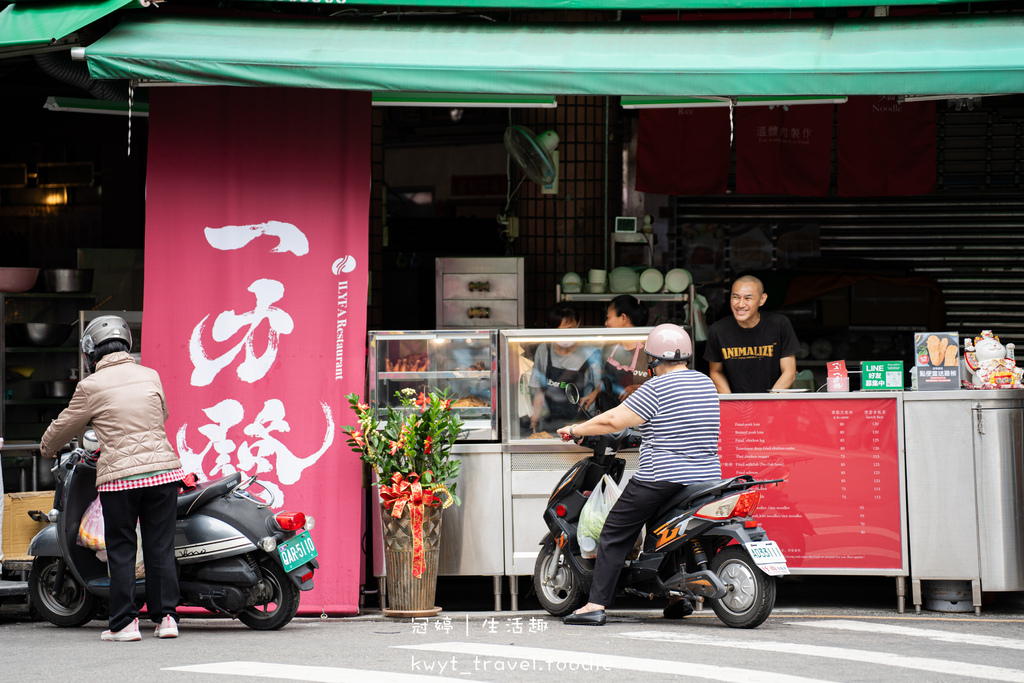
677	414
137	474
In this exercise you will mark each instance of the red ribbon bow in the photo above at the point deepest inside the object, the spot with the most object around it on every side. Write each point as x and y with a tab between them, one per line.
410	491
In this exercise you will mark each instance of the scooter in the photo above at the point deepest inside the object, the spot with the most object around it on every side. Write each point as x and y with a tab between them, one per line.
235	557
702	543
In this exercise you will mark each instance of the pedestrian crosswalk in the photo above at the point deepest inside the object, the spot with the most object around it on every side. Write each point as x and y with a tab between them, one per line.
930	665
795	649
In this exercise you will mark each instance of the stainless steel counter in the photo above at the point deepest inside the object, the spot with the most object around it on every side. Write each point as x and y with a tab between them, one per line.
965	488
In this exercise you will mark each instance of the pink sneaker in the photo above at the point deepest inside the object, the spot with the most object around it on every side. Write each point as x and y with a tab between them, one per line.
168	628
127	634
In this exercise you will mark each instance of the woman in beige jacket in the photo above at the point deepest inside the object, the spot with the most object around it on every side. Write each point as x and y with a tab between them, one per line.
137	474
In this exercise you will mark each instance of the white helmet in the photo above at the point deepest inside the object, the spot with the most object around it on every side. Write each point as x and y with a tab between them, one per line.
103	329
667	342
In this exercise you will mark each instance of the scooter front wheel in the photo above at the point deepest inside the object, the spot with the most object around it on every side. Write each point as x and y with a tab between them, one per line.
751	592
279	602
72	606
562	593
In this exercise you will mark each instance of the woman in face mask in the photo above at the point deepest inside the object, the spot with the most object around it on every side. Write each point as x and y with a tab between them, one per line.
625	366
557	364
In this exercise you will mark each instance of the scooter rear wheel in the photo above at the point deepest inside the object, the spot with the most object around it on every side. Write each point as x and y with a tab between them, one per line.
563	593
751	595
73	606
282	599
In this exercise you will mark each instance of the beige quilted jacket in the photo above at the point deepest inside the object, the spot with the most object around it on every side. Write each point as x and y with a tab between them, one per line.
125	403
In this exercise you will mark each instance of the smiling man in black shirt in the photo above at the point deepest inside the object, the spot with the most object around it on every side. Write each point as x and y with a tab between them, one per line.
753	351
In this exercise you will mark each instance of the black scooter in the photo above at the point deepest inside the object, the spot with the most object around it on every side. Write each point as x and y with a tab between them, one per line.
703	543
235	556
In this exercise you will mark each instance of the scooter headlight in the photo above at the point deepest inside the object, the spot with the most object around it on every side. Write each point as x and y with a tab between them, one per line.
268	544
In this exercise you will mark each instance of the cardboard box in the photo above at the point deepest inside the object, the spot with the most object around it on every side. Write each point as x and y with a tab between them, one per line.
18	527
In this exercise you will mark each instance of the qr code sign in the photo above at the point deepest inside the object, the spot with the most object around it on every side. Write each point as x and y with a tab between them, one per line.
893	379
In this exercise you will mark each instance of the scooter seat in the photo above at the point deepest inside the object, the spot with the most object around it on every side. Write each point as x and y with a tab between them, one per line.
206	491
690	493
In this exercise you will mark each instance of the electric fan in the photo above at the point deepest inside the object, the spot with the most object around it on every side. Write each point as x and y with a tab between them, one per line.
532	153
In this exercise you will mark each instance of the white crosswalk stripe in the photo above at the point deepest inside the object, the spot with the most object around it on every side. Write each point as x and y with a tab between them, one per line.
914	632
300	672
508	658
932	665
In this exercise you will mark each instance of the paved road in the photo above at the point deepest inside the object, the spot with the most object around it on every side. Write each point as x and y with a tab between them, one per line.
823	632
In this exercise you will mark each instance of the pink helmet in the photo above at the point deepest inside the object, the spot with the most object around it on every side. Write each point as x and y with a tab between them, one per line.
669	342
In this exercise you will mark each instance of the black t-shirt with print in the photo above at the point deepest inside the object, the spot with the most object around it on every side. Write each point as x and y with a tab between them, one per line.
751	356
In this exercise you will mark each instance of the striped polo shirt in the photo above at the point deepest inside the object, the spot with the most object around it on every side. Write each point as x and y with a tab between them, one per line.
680	429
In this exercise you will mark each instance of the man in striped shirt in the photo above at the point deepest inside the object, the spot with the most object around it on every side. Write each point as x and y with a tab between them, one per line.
677	413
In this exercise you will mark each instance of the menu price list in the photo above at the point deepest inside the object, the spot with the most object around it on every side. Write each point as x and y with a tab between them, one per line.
839	504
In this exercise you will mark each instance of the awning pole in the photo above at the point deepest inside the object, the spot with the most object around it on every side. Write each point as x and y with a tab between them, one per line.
605	226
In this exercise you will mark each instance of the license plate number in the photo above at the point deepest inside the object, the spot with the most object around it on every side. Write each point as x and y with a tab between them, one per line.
296	551
768	556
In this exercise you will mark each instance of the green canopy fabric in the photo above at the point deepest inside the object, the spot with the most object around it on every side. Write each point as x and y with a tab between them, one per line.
629	5
27	25
974	54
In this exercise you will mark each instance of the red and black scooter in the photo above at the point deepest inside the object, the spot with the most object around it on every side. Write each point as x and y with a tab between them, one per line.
704	542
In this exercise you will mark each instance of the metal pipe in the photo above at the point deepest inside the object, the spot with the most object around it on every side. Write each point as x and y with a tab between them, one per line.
605	226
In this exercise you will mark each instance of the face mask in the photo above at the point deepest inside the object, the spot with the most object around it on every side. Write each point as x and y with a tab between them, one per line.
566	344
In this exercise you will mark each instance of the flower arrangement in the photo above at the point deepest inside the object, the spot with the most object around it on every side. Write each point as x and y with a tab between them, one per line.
414	441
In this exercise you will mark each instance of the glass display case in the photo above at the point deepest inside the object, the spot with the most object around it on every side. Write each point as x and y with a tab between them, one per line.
605	364
463	361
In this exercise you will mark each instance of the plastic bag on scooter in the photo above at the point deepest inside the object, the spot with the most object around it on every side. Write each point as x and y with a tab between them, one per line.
594	513
91	535
90	531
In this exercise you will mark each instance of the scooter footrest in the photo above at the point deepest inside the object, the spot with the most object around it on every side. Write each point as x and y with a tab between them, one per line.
705	584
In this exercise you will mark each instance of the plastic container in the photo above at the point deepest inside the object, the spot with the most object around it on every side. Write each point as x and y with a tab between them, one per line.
678	280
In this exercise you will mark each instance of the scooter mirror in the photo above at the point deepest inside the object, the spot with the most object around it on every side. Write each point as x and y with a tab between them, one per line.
572	393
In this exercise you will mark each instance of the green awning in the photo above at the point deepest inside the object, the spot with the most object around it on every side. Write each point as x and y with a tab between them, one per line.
974	54
28	26
626	5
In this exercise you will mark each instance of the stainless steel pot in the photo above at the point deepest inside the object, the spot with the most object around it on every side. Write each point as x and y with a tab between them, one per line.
60	388
41	334
67	280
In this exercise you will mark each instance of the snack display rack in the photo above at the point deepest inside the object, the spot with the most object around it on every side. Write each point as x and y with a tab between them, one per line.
466	363
463	361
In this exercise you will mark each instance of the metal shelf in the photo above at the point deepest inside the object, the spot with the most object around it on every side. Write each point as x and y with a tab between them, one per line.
427	374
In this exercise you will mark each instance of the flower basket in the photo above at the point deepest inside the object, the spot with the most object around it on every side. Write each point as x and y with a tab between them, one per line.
410	451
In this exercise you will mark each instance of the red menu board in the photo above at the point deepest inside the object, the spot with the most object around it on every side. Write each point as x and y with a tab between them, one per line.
839	506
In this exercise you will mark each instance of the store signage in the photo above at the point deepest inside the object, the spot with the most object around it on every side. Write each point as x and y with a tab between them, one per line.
884	375
838	507
937	360
255	301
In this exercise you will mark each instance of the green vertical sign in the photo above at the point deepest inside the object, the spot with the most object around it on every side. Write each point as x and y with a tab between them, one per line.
886	375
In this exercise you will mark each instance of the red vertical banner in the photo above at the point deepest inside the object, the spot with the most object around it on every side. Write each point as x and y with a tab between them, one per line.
784	150
255	298
683	151
885	147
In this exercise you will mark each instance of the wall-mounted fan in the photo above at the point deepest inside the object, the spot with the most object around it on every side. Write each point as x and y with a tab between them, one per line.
536	157
533	153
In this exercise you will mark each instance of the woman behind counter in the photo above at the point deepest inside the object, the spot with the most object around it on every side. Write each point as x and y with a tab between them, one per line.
625	366
556	364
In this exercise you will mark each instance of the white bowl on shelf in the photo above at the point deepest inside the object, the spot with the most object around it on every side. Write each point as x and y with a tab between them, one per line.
624	280
596	287
651	280
572	283
678	280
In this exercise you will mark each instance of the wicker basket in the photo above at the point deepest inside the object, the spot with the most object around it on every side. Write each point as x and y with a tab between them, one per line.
408	596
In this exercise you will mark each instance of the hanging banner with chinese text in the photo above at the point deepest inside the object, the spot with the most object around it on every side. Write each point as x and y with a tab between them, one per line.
255	298
885	147
784	150
683	151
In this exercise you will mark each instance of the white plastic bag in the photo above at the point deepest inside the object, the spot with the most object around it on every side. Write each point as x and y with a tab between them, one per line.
593	514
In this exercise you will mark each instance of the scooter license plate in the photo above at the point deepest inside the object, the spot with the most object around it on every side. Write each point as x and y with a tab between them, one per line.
297	551
768	556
